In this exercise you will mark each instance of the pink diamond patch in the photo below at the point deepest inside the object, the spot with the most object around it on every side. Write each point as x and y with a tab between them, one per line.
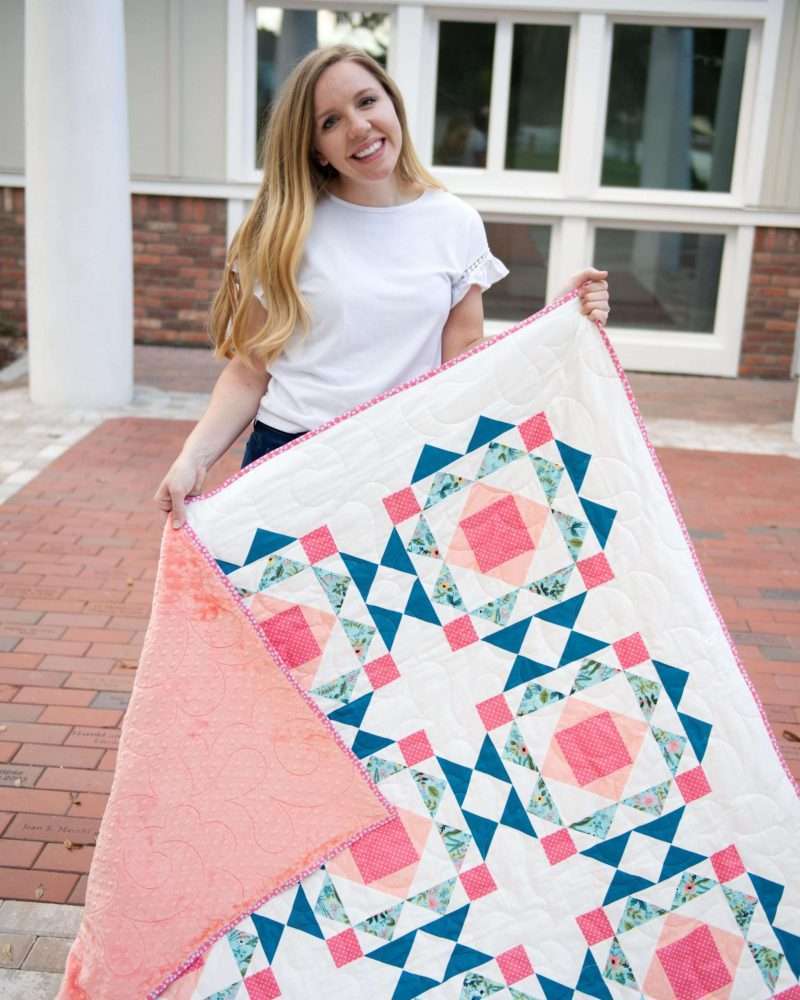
793	993
415	747
595	925
631	650
291	637
497	534
460	633
693	784
595	570
318	544
344	947
402	505
382	671
727	864
478	882
536	431
558	846
693	965
383	851
593	748
514	964
262	986
494	712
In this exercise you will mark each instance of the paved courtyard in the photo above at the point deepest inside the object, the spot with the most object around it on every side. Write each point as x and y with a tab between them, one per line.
79	540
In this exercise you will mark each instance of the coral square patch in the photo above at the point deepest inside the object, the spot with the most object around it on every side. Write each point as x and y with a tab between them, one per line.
595	570
594	748
344	948
318	544
727	864
595	926
478	882
460	633
693	965
693	784
494	712
292	638
558	846
402	505
514	964
262	986
383	851
415	748
631	650
536	431
382	671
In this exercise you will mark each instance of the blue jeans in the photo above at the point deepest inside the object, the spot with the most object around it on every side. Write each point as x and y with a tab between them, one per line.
265	439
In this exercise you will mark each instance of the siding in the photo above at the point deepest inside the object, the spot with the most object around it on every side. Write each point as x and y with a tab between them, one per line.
781	182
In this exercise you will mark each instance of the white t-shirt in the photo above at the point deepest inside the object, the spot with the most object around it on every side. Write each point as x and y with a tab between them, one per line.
380	283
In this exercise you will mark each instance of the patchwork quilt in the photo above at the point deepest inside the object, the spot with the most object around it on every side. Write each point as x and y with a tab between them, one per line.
435	702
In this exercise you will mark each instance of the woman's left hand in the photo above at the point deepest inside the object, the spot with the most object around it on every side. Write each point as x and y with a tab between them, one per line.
593	290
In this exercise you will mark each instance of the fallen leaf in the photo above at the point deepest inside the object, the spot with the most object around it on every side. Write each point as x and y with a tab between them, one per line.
7	952
39	891
792	737
17	782
68	844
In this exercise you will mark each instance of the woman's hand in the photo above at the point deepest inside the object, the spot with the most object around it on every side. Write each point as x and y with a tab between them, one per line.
184	478
593	290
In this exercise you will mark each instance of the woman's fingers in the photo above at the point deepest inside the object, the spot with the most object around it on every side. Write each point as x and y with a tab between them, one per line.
178	509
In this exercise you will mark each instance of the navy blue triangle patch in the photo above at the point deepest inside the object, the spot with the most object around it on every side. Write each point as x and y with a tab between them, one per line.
449	926
601	518
698	732
524	670
555	991
419	605
463	959
386	621
576	463
591	981
791	948
458	777
265	543
396	952
395	555
302	917
769	894
489	761
269	934
368	743
486	430
482	829
580	645
510	638
515	816
609	851
665	827
673	679
677	859
625	884
362	571
565	613
410	985
432	459
352	714
227	567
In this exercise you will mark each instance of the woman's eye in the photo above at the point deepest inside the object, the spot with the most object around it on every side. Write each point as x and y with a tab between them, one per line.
327	122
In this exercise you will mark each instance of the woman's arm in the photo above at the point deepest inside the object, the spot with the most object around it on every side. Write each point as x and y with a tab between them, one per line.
234	403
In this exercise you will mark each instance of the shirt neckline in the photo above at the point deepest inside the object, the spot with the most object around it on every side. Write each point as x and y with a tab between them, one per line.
377	208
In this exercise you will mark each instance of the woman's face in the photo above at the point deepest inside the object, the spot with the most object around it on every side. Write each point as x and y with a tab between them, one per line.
353	114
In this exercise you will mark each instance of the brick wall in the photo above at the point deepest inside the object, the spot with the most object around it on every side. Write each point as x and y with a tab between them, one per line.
12	258
772	304
179	249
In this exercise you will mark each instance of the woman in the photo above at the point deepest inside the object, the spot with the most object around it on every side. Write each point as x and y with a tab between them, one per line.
354	271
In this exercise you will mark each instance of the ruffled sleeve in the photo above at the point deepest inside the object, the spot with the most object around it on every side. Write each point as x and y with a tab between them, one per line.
481	267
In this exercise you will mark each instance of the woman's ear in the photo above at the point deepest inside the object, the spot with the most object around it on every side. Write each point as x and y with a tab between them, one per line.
319	158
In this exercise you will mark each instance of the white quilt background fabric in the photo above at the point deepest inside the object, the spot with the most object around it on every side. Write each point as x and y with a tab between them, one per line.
590	804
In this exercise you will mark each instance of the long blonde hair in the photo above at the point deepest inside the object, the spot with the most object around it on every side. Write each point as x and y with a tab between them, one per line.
268	245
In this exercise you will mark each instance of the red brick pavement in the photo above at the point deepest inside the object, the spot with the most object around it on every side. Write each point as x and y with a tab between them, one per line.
78	552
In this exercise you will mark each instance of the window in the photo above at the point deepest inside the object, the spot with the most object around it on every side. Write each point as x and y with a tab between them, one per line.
463	93
525	250
673	107
662	280
284	36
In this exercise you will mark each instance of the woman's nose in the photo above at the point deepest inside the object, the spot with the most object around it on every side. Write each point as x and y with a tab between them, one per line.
359	126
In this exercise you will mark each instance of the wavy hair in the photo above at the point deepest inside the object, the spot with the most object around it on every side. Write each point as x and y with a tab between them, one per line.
268	245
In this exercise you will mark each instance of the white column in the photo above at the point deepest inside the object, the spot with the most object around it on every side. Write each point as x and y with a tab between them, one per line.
77	204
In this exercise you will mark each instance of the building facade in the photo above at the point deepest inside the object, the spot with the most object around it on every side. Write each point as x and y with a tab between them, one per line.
659	140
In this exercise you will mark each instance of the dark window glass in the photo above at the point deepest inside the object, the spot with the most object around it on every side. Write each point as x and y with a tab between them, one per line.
463	93
525	250
536	103
661	280
673	107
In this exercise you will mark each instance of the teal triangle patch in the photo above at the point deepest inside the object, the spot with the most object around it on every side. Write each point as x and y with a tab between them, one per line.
362	572
578	646
269	934
591	981
698	732
610	851
227	567
395	953
482	830
515	816
510	638
565	613
450	926
486	430
791	948
365	744
664	828
410	985
624	884
554	990
601	518
419	605
395	555
673	679
463	959
458	777
265	543
576	463
769	894
524	670
489	761
352	714
302	917
386	621
432	459
676	860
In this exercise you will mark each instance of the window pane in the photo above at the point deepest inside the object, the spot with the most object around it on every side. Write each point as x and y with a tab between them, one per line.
525	250
285	36
661	280
463	93
536	104
673	107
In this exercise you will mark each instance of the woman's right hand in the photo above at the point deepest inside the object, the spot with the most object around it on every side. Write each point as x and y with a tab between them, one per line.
184	478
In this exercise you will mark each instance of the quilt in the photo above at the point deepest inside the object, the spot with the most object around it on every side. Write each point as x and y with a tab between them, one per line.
435	701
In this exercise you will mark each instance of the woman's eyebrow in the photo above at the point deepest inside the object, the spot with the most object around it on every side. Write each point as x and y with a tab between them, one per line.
355	97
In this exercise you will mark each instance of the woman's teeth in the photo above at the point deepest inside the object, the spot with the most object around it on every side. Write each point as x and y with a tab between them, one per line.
369	150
